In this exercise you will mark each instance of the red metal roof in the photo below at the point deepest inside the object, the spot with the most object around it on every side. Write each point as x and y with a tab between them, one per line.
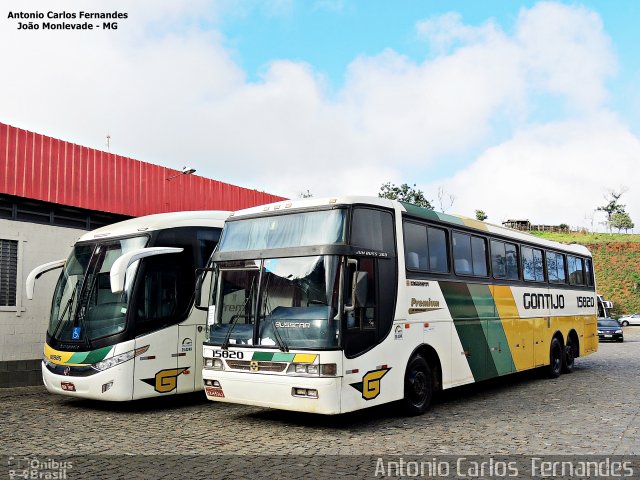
43	168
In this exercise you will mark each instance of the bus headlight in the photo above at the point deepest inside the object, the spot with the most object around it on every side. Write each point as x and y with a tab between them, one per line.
118	359
329	369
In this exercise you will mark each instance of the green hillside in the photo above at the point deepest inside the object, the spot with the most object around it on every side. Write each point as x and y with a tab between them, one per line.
617	263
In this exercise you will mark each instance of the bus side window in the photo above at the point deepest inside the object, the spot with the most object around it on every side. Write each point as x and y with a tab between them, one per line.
576	275
589	272
469	254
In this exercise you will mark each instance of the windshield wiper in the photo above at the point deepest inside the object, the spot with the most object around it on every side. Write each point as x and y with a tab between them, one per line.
267	308
67	308
232	324
281	343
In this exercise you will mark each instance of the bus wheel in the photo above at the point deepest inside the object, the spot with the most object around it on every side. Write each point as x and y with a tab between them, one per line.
569	357
555	354
418	386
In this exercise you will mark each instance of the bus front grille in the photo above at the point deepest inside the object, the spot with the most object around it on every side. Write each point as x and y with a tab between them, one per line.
256	366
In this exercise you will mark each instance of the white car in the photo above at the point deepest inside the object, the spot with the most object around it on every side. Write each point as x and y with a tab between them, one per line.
633	319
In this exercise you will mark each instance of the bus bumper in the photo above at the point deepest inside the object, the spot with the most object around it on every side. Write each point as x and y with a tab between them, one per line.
284	392
113	384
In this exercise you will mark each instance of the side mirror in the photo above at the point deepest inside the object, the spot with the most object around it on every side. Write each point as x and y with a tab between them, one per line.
360	288
119	267
203	287
37	272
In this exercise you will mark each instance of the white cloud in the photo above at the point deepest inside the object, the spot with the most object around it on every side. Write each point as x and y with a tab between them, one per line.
168	90
554	173
566	52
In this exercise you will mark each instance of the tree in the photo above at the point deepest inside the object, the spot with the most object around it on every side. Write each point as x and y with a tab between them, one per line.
480	215
445	199
404	193
612	207
621	220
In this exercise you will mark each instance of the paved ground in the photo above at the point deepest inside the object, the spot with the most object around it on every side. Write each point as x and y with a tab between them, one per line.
594	410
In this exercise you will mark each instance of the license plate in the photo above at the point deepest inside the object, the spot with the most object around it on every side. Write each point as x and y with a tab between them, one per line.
214	392
608	336
68	386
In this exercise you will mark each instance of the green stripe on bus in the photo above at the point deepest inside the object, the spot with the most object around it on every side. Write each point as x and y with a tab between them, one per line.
492	327
283	357
430	214
469	327
89	357
97	355
266	356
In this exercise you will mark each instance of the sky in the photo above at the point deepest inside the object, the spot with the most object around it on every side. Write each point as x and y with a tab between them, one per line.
525	110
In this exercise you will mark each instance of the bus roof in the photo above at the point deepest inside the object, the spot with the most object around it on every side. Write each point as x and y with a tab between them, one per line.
414	211
210	218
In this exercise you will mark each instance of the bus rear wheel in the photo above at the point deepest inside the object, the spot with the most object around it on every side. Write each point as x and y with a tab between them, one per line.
555	357
569	358
418	386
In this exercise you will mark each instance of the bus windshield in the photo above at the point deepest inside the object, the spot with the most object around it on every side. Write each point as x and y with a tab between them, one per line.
84	308
283	303
324	227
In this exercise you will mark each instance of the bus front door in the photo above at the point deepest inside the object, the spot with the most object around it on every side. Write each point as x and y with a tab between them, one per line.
156	370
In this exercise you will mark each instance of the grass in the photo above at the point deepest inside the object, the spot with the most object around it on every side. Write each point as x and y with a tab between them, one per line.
588	238
616	258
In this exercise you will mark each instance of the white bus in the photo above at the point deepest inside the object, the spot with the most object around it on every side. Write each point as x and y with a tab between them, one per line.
122	322
333	305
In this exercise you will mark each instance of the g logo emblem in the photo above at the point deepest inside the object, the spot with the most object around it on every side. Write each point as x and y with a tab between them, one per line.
254	366
165	380
370	384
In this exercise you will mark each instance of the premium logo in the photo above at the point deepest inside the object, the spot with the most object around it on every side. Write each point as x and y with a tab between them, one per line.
370	384
165	380
420	306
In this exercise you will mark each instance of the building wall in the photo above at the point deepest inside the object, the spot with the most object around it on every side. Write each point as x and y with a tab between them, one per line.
50	170
23	327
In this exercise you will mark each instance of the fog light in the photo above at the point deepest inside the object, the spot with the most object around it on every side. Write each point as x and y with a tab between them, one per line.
328	369
208	383
304	392
216	383
107	386
299	392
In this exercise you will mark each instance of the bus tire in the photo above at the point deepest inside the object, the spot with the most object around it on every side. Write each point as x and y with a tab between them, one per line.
569	357
418	386
555	357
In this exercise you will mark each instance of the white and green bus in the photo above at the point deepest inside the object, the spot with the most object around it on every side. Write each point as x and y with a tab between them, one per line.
333	305
122	322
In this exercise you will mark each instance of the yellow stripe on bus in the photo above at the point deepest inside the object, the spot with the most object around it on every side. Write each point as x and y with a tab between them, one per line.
58	357
304	358
519	331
